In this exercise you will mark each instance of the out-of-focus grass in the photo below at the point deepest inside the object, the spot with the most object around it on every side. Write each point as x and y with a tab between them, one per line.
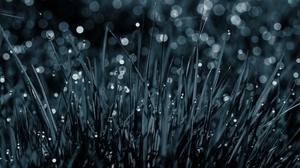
217	117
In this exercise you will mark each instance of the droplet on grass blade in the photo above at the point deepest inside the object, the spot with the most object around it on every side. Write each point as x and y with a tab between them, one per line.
124	41
50	34
2	79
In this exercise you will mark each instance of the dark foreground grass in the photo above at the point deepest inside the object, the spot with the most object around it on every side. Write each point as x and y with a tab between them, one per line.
218	117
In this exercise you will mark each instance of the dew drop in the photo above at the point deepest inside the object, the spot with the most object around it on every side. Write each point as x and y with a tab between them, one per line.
50	34
79	29
2	79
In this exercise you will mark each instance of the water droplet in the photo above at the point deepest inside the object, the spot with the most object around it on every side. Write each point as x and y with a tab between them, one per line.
124	41
54	160
228	32
53	111
79	29
226	98
50	34
2	79
137	24
114	113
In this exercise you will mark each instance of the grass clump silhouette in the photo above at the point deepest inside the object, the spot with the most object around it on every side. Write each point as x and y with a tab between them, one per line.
140	111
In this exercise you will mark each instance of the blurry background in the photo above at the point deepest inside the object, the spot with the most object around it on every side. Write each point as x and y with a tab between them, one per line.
259	30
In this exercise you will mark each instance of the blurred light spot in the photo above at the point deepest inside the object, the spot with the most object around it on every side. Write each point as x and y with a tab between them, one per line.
290	45
256	11
53	111
137	24
124	41
161	38
29	2
176	10
256	51
169	2
266	35
235	20
79	29
245	31
174	45
84	44
288	31
120	76
281	65
298	60
30	24
274	82
277	26
6	56
94	6
112	41
63	50
269	61
40	69
226	97
112	86
216	48
50	34
179	71
207	5
54	160
28	44
178	22
63	26
263	79
210	41
219	10
60	40
25	95
117	4
254	39
43	23
75	76
47	15
2	79
241	55
137	10
295	74
243	7
86	12
211	65
250	86
204	36
169	80
181	40
121	62
297	81
122	70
